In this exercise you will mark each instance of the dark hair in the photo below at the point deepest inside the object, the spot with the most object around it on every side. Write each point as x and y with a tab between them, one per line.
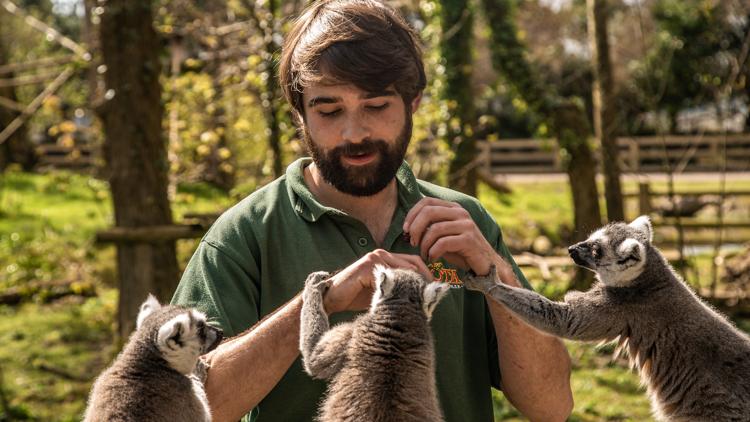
362	42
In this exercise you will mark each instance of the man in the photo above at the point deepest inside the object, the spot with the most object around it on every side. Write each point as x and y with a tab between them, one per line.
352	71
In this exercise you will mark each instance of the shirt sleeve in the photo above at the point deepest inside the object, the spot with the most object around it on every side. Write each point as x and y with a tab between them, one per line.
223	284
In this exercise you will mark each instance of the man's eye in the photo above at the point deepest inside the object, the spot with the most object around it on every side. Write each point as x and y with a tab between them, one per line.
378	107
329	113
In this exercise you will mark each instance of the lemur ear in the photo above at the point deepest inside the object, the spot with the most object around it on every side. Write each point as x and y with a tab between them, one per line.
631	249
384	282
147	308
384	279
643	224
173	330
431	295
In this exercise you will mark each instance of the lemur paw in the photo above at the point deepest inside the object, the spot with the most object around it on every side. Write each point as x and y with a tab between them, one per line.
482	283
316	284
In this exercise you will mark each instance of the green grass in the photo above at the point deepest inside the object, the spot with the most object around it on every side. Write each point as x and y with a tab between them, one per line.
603	389
51	353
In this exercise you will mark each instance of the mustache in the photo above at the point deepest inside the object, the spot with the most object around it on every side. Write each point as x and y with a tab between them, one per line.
367	146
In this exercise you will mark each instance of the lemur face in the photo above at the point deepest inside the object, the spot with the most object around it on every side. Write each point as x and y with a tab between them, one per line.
617	252
180	334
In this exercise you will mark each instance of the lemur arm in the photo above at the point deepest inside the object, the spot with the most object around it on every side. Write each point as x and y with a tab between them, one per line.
580	319
323	349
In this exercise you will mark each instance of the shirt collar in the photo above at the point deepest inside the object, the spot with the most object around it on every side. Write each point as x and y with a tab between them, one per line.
307	206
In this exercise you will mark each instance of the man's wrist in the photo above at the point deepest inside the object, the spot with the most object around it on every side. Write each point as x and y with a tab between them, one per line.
328	307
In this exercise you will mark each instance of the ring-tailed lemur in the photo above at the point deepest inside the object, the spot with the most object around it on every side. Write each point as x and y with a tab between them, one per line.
695	363
151	379
381	365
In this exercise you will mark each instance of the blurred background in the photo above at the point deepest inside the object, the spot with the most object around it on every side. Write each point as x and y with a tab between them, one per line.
127	127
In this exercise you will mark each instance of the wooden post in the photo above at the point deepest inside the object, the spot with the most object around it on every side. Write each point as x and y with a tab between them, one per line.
644	198
486	156
634	158
558	165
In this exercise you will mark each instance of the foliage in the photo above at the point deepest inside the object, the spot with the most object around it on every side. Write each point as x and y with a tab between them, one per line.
695	50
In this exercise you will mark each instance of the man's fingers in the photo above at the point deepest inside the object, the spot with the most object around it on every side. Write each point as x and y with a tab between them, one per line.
416	209
447	245
431	215
440	230
404	261
418	265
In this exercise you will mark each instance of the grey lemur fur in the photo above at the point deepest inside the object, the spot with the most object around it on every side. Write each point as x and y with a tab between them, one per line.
695	364
152	378
381	365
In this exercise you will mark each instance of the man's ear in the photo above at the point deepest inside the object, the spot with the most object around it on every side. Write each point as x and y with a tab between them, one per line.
415	102
299	119
147	308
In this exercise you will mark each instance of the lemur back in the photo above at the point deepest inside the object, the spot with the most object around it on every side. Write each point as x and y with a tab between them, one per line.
151	379
695	363
380	366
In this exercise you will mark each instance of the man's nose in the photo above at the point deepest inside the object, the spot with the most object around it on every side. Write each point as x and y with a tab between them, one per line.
355	129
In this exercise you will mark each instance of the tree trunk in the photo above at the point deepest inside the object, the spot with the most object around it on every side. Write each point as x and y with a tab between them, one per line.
17	148
91	37
605	125
455	45
572	130
565	117
220	172
272	102
135	152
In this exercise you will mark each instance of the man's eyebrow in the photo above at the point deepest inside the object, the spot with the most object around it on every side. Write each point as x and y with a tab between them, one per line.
323	100
376	94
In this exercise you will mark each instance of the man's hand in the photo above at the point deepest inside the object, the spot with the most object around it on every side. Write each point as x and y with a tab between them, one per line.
351	289
446	230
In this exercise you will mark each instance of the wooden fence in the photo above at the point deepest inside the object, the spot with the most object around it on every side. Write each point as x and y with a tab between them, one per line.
637	154
521	156
60	156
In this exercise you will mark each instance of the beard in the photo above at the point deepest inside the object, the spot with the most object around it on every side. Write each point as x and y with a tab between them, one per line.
362	180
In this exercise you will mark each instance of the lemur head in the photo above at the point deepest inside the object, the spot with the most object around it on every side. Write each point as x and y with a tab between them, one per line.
406	286
180	334
617	252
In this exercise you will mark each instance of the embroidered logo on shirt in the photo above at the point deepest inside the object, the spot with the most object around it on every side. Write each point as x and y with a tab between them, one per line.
445	275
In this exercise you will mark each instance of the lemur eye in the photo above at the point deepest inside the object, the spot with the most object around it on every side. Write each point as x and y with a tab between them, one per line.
597	250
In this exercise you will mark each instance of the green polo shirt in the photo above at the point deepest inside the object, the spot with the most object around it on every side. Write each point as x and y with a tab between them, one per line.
257	255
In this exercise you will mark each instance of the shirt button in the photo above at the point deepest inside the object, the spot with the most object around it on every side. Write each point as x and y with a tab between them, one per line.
362	241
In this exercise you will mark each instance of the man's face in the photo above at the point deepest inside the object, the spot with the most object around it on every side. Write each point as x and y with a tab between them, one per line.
357	139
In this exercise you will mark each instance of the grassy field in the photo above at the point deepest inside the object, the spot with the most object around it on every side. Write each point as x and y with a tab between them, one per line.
51	352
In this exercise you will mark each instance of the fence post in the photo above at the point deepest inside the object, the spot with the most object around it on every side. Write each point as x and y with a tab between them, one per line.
635	159
644	198
486	156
